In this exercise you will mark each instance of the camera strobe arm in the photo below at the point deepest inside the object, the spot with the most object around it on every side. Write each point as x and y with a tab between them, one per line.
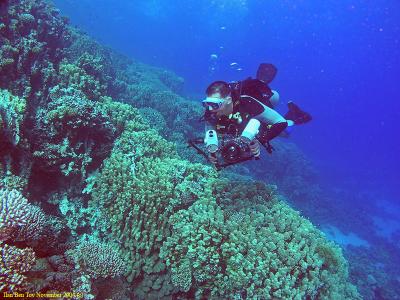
193	143
222	166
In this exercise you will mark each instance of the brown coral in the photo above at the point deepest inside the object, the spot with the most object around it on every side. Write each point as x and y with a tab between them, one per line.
13	264
99	260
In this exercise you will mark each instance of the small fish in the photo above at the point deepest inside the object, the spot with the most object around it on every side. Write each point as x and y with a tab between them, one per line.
233	64
213	56
222	27
239	69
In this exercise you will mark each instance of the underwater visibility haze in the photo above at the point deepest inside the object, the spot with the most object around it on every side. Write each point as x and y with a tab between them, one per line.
102	197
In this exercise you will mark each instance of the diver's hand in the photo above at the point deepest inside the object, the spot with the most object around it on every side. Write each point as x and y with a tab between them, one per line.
212	157
254	146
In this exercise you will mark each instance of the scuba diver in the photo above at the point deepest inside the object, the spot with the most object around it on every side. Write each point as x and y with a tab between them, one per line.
243	114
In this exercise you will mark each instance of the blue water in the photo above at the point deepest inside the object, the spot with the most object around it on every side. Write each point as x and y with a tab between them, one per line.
339	60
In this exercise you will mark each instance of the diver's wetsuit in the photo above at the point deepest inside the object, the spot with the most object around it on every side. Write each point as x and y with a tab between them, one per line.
246	107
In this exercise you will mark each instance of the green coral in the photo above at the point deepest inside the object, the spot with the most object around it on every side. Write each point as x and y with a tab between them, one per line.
141	184
264	250
12	113
146	144
182	276
156	119
97	259
72	132
14	264
124	116
74	76
31	50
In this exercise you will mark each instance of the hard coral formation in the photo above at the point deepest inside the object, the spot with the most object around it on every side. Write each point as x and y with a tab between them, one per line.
12	110
23	221
182	232
73	76
14	263
14	212
30	51
36	224
71	132
98	260
24	225
139	193
268	251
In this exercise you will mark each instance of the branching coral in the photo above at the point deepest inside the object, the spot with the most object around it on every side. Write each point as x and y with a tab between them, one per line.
263	251
183	233
73	76
12	111
98	260
36	223
30	50
21	221
71	132
140	186
14	212
14	263
155	119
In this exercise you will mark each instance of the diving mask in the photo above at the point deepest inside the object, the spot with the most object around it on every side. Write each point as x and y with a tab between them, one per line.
212	103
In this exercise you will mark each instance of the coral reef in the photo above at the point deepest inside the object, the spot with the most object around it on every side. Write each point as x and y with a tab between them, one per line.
375	270
12	111
98	260
263	250
12	142
31	50
140	185
14	263
14	212
71	132
19	221
101	151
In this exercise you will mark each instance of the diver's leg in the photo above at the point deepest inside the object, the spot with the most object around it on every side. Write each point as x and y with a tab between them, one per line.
270	132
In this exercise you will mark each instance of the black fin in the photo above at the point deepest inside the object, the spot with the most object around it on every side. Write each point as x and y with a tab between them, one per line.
296	114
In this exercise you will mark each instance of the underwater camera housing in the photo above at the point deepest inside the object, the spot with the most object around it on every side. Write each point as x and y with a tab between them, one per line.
235	150
232	150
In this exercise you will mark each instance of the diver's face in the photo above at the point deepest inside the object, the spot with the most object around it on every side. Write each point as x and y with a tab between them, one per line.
226	107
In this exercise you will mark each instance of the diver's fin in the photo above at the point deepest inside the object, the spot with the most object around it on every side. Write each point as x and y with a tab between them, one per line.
296	114
266	72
